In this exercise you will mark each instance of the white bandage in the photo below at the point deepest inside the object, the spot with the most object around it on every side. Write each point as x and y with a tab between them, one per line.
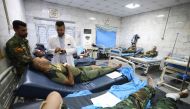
174	96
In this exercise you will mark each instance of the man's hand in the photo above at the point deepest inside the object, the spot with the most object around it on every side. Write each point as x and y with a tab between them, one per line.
57	50
60	51
27	58
63	51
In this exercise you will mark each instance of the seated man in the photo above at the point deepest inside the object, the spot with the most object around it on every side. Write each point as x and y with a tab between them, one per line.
137	100
152	53
68	75
131	49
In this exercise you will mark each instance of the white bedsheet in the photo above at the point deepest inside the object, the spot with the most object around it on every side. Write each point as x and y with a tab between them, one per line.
146	60
105	100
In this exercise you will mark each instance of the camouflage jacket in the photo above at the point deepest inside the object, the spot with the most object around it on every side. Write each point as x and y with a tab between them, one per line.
18	51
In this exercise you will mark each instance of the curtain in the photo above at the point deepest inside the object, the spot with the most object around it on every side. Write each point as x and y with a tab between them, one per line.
106	36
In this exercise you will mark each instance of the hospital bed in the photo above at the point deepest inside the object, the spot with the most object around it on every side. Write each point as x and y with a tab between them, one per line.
145	62
34	84
173	66
119	52
85	61
103	51
83	101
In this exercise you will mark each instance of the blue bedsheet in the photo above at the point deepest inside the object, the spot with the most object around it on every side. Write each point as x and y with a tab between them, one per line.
81	93
124	90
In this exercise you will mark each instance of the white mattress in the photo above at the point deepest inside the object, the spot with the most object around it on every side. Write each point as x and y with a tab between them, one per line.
176	62
146	60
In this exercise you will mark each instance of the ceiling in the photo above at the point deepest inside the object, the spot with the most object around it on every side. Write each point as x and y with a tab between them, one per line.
117	7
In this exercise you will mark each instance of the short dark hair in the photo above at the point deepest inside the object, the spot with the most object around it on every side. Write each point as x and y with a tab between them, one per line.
17	23
60	23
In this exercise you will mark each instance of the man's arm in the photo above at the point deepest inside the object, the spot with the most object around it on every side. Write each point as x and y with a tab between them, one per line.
63	79
70	77
18	53
67	80
153	54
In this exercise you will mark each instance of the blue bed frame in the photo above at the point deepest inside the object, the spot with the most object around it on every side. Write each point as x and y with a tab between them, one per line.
34	84
119	52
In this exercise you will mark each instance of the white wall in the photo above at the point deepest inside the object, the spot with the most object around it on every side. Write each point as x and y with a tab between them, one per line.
147	25
4	36
15	10
37	8
151	29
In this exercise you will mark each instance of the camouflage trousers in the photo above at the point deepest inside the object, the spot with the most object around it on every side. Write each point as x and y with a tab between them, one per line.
140	99
89	73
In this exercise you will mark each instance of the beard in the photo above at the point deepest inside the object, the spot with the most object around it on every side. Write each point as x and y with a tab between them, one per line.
24	36
60	35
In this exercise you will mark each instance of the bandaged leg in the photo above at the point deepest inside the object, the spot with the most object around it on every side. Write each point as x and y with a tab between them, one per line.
170	101
177	96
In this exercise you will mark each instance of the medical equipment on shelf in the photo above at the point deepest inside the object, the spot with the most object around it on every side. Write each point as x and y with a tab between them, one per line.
174	66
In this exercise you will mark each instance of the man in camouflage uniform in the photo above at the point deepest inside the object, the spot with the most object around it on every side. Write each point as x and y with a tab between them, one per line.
152	53
131	49
68	75
17	48
138	100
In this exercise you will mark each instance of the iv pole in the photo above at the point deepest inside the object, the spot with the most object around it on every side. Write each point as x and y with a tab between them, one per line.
174	44
186	71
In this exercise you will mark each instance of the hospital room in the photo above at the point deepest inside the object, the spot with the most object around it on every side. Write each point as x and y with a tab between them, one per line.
95	54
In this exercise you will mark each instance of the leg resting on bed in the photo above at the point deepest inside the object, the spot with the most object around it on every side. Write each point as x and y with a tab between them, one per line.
53	101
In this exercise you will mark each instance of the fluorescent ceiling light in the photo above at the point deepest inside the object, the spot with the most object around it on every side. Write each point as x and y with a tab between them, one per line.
92	18
160	16
132	5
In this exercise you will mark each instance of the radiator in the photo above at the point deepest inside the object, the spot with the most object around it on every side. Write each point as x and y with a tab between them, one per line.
8	82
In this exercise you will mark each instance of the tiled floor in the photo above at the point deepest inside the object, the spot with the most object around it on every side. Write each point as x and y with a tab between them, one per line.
155	74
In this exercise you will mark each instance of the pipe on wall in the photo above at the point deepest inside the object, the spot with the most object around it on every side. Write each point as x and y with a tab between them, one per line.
7	15
166	23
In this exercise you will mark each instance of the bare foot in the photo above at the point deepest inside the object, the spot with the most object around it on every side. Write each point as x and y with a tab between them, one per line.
184	93
119	66
150	81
